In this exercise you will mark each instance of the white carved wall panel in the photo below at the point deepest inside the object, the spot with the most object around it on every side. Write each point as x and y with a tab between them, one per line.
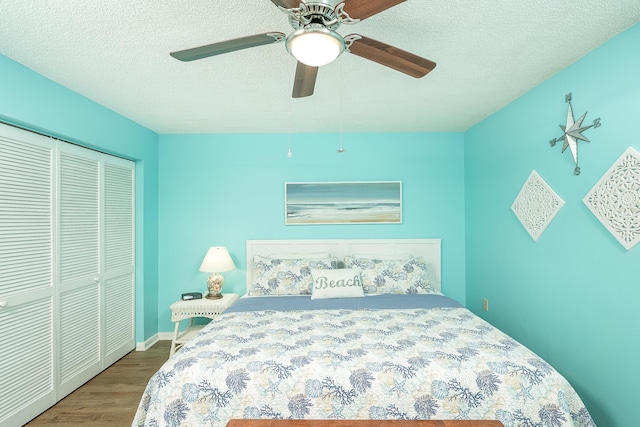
615	199
536	205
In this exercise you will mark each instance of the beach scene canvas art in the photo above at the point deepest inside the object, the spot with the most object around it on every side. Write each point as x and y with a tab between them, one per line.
367	202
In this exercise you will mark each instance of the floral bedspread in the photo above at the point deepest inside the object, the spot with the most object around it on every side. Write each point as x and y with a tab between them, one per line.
437	363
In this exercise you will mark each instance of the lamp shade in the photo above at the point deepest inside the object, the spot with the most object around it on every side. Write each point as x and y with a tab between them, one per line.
315	45
217	260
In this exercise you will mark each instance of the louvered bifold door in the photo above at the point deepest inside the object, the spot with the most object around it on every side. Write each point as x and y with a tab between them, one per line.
26	276
119	252
79	267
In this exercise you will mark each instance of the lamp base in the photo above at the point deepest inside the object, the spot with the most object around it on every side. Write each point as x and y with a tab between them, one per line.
214	286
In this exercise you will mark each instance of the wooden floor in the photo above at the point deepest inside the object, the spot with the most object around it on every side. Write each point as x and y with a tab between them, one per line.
111	398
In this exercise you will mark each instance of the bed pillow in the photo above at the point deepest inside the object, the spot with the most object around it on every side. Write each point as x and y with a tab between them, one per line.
315	255
285	276
395	257
340	283
382	276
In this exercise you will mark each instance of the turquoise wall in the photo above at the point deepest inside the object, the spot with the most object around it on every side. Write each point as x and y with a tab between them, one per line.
572	296
29	100
221	190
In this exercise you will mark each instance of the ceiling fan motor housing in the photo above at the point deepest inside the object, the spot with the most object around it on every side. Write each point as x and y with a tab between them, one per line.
315	13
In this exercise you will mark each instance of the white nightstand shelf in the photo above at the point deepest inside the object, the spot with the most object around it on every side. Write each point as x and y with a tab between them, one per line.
182	310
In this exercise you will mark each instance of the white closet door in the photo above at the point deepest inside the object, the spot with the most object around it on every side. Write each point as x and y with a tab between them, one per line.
67	272
119	254
79	267
27	384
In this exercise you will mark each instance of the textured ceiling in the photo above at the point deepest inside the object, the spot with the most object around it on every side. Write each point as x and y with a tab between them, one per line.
488	53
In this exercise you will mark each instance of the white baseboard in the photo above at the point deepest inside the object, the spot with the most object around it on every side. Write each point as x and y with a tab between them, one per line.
143	346
160	336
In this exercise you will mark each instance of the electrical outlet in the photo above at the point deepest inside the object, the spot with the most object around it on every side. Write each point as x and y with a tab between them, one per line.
485	304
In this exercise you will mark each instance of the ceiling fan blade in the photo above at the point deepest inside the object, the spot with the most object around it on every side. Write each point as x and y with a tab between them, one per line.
362	9
305	80
390	56
287	4
228	46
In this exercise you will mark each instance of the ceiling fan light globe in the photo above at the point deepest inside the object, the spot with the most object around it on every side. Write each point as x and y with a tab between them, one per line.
315	46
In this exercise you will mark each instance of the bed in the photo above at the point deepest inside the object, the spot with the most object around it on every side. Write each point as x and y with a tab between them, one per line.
353	330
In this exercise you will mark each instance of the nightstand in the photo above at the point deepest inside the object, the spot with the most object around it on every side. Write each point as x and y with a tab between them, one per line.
181	310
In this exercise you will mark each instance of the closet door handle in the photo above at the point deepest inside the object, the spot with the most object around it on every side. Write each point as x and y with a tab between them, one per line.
3	304
96	279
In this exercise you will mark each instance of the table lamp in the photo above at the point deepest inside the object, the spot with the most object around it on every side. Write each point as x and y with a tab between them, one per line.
216	261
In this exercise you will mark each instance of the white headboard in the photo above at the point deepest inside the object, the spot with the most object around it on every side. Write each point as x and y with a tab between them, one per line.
339	248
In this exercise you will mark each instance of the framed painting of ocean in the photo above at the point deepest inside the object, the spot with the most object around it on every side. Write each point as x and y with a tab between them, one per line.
357	202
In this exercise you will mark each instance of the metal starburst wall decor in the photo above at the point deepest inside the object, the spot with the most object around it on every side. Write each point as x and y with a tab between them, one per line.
573	130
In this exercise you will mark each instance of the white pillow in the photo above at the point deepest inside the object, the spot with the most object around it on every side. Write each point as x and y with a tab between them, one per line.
339	283
315	255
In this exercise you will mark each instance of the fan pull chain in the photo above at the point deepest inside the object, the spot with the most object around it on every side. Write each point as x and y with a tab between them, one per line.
341	150
289	153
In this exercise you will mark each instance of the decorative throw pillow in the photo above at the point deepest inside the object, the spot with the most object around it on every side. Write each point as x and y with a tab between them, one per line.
381	276
285	276
340	283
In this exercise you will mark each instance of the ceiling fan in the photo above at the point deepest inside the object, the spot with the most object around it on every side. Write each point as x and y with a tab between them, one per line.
315	42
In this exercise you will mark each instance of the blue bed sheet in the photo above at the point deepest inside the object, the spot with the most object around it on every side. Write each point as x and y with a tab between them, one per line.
289	303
